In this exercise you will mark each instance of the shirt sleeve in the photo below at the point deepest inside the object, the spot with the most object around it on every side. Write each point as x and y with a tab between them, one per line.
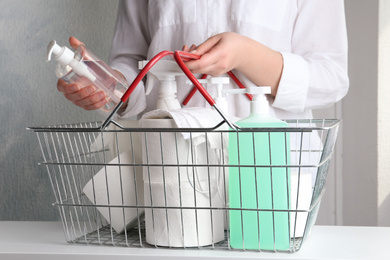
130	45
315	71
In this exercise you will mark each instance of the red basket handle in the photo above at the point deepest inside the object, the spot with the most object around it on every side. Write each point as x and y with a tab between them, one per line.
180	57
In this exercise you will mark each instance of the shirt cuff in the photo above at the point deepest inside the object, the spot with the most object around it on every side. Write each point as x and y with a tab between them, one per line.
294	83
137	100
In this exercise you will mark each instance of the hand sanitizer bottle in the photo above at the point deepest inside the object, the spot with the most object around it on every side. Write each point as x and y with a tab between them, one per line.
255	186
84	68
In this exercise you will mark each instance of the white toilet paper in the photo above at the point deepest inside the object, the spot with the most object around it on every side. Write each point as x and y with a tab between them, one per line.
164	153
180	227
116	186
125	140
194	117
174	166
115	141
303	195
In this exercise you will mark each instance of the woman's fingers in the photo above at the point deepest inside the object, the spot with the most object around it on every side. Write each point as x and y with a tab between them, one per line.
219	54
74	42
206	46
88	97
213	62
189	49
66	88
92	102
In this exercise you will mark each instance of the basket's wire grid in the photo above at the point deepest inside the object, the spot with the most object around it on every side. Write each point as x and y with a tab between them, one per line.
147	187
213	188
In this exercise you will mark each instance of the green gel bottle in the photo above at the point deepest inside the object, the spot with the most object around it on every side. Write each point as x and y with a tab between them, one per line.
256	187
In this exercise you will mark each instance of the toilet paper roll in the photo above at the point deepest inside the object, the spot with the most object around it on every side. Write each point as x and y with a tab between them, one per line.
122	141
306	150
117	186
303	195
164	152
181	227
118	141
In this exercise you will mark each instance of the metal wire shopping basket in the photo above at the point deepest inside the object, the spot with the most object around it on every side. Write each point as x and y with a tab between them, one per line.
137	186
223	187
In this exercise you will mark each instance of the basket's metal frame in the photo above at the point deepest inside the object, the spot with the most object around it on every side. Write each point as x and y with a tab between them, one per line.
70	163
316	124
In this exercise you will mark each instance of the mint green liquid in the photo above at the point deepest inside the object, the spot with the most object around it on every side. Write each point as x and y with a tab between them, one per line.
259	188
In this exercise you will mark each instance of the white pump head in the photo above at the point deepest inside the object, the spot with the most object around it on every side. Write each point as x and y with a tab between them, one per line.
220	99
65	57
62	54
165	71
259	103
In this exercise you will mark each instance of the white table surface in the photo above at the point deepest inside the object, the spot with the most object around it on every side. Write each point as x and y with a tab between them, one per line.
45	240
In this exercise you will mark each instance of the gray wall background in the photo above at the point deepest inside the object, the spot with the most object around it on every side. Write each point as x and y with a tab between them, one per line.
28	91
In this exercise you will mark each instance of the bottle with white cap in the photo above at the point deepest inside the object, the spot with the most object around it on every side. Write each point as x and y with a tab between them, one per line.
253	181
165	71
84	68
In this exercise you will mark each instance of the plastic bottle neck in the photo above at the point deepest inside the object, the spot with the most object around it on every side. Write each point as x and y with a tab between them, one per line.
167	96
259	106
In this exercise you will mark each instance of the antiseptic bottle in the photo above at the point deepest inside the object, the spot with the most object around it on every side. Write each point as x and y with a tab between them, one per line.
259	180
84	68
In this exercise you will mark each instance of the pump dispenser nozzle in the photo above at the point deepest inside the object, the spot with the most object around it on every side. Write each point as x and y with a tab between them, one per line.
62	54
220	99
66	57
165	71
259	103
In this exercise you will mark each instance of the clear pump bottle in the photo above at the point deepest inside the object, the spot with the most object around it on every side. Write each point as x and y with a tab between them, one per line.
255	184
84	68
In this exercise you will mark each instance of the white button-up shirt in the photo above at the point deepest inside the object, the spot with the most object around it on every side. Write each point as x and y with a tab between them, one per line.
310	35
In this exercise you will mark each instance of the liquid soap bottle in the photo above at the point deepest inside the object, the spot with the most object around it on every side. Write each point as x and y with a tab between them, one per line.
84	68
254	184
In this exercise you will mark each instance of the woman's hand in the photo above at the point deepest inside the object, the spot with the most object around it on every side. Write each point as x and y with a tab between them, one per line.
220	54
85	97
226	51
88	97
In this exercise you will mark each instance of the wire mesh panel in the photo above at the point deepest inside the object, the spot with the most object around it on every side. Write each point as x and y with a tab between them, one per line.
248	189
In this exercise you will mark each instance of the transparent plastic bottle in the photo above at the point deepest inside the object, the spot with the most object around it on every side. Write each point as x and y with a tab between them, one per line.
84	68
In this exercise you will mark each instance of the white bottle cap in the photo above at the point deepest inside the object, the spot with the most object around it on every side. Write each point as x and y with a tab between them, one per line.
62	54
220	99
259	103
65	57
166	70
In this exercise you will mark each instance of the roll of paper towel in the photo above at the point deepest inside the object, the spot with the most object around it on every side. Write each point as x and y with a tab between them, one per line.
118	141
117	188
181	172
164	152
301	195
178	226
